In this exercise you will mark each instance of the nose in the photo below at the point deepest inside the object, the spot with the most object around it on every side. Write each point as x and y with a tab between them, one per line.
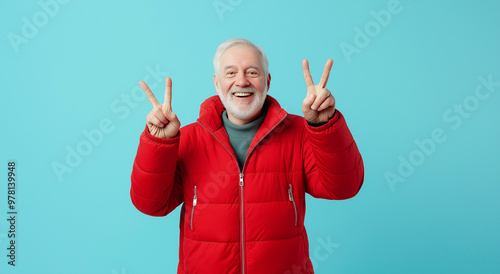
241	80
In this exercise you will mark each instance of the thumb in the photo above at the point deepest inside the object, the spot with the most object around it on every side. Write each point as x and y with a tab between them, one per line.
172	118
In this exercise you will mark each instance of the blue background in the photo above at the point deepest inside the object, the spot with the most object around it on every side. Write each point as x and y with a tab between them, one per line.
68	66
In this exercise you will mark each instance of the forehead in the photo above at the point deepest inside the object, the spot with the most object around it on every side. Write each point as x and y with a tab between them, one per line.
240	55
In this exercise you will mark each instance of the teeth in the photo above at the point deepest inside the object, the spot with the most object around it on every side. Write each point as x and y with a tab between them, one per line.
242	94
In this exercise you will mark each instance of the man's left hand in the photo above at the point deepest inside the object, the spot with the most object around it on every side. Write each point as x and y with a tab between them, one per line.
319	104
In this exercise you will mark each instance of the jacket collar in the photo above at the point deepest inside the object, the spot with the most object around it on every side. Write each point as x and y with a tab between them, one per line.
211	118
211	113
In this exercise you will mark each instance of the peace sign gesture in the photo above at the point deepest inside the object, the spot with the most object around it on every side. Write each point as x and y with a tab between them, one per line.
161	121
319	104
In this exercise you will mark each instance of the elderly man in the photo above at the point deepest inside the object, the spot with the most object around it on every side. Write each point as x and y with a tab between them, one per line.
242	170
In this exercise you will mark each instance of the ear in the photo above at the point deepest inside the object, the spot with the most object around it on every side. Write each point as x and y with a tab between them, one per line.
216	84
268	81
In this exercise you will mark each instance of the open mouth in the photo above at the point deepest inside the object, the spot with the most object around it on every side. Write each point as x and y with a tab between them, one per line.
242	94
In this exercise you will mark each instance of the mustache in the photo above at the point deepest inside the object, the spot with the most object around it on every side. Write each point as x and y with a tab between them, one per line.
239	89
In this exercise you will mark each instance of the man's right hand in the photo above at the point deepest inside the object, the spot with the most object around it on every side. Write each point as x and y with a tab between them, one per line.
161	121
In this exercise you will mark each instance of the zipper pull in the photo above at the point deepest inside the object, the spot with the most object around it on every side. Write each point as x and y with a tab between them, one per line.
290	195
195	198
241	179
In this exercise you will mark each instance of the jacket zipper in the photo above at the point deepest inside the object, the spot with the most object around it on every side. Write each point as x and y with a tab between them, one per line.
241	184
290	196
242	223
195	202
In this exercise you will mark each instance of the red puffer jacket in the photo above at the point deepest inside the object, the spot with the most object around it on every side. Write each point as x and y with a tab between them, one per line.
251	220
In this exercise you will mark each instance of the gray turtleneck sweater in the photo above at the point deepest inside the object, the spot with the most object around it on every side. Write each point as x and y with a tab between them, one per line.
241	136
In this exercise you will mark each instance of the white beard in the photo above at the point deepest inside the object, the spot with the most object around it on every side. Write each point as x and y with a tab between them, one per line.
251	110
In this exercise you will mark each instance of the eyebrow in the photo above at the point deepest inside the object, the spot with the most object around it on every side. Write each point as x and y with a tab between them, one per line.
231	66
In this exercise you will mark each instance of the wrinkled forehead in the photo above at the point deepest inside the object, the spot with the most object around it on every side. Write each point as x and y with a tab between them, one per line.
241	56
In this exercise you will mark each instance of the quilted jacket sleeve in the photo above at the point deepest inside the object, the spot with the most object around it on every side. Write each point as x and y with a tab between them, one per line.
156	185
333	165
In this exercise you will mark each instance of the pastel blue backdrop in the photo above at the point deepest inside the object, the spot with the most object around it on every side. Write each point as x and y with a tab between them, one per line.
418	82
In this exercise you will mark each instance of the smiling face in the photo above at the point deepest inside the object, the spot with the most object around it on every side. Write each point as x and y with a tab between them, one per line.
241	83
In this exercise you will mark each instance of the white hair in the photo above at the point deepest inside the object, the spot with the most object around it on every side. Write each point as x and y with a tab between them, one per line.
234	42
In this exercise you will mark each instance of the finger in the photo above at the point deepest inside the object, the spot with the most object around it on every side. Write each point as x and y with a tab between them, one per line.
330	101
307	73
158	113
322	96
151	119
149	94
173	120
326	73
167	103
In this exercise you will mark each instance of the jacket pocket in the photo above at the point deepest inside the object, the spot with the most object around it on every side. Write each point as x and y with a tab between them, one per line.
290	197
195	201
